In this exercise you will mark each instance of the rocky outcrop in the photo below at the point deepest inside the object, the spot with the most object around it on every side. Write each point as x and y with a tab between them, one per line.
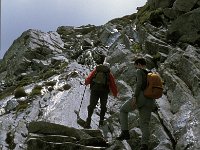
186	28
176	47
181	18
33	50
44	135
184	6
50	68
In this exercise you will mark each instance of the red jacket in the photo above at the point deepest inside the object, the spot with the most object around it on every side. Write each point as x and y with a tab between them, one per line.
112	84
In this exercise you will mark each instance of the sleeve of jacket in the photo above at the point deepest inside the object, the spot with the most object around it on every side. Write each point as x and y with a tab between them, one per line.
89	77
138	83
112	85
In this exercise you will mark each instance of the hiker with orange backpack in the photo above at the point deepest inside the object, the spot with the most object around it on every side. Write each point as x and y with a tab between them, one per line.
144	105
101	81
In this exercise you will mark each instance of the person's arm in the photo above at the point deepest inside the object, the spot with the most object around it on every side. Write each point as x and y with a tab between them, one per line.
112	85
89	77
138	83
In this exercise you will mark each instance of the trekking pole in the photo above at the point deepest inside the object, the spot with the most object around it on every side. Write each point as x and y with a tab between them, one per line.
82	100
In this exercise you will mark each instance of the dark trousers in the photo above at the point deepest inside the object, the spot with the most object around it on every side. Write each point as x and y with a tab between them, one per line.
94	97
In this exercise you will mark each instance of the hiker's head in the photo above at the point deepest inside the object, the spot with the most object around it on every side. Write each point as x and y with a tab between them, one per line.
140	63
101	59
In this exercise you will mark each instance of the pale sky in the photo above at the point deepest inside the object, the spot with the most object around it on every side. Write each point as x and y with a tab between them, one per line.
18	16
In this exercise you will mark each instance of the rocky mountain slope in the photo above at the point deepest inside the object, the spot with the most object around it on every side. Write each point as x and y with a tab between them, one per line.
42	76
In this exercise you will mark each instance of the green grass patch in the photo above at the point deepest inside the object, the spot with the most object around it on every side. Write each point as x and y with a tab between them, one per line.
45	74
123	21
146	14
36	91
20	92
136	48
50	83
8	91
61	67
25	81
66	87
22	106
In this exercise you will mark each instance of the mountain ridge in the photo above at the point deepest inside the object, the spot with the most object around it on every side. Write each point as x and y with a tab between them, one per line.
50	68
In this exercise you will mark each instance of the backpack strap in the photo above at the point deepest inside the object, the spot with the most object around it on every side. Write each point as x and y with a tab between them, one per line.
145	82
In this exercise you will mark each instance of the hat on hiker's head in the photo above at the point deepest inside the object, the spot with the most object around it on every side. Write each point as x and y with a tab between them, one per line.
140	60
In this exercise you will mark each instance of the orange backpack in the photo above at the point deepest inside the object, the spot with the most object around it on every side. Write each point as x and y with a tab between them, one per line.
154	88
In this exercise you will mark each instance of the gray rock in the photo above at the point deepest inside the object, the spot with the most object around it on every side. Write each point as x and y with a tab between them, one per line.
38	144
53	138
60	58
33	46
109	35
11	104
186	27
125	90
154	45
191	135
154	4
42	127
171	13
55	135
164	112
182	5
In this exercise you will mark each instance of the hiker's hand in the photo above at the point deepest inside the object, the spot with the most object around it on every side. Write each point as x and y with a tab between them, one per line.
134	105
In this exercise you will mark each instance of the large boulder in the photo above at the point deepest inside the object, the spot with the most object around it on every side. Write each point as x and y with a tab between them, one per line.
186	28
154	4
183	5
49	135
187	64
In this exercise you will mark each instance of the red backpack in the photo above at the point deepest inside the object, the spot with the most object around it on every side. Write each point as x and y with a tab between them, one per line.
154	88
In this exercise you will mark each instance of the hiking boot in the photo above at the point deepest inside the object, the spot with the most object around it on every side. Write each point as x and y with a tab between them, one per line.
100	123
87	126
124	135
144	147
87	123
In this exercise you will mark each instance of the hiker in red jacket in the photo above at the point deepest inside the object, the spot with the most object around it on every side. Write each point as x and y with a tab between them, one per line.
101	82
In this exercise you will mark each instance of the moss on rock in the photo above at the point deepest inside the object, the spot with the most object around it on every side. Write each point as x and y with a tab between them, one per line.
36	90
20	92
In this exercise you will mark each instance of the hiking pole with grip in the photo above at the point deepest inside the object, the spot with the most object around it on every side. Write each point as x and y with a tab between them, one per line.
77	112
